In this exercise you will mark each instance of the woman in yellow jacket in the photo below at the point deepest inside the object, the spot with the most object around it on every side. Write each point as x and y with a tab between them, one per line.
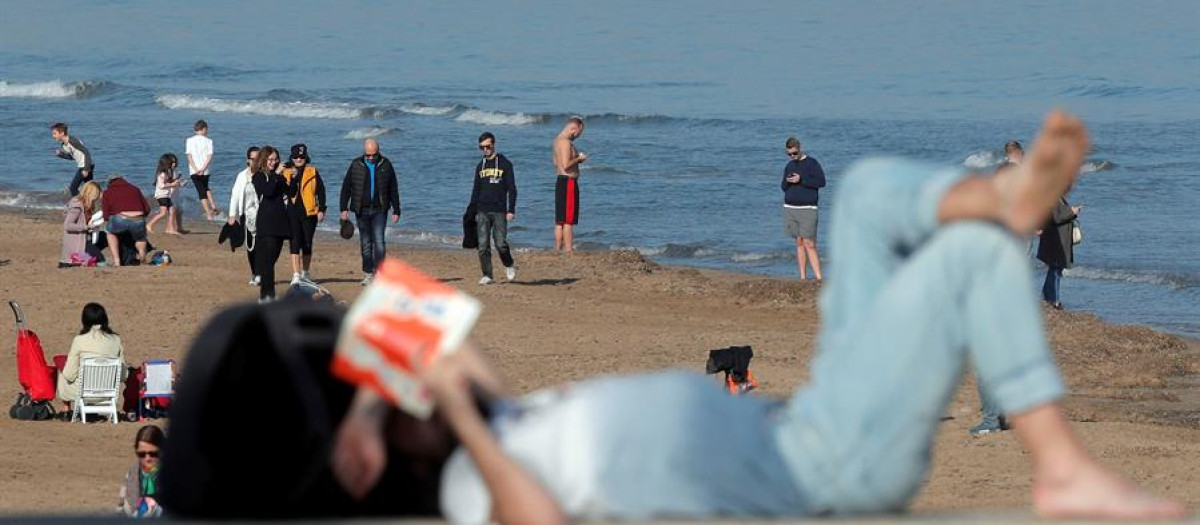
306	208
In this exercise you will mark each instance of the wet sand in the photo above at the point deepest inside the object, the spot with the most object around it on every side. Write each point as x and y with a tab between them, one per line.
1134	400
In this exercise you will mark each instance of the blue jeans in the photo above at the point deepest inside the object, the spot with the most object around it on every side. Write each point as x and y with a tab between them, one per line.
78	180
372	225
489	227
907	301
1051	285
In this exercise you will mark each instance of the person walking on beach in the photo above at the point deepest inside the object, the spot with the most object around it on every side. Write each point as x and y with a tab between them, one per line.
802	180
272	225
199	155
1056	248
566	189
73	149
369	190
166	182
306	207
494	195
243	207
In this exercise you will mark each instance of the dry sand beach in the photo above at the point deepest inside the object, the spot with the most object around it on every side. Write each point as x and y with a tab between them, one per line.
1135	397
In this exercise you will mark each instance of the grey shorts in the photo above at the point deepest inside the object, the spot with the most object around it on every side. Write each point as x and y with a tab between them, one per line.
800	222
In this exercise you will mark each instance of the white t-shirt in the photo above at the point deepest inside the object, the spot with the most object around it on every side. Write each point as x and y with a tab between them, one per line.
161	191
200	148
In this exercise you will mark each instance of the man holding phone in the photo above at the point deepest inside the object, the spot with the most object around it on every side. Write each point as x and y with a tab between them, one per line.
566	190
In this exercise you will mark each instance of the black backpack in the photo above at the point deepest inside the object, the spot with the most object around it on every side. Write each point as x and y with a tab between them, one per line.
253	420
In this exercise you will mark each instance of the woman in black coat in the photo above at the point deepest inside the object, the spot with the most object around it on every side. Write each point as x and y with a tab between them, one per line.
1056	249
272	223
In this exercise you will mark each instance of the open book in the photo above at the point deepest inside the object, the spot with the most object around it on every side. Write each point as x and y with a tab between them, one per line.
403	317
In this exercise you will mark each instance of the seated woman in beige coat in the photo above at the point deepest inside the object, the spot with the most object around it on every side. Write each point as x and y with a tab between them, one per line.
96	339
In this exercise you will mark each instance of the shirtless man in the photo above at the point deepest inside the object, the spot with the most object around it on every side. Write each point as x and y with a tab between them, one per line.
566	190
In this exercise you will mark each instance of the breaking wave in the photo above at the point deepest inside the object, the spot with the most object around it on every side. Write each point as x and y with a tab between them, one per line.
368	132
53	89
499	118
274	108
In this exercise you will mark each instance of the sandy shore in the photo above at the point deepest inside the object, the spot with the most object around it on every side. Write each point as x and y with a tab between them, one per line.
1134	397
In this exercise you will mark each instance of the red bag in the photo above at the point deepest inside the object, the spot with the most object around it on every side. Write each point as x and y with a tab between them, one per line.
32	371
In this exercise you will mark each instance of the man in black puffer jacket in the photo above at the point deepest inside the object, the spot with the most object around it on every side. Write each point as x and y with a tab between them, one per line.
370	190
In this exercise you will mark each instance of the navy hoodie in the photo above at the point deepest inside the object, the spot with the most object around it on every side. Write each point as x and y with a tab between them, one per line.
812	178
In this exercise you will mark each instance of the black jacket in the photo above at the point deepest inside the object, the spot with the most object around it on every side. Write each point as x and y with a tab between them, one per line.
1055	247
356	186
272	190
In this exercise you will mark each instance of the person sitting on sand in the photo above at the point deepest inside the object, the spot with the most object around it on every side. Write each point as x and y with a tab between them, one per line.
930	273
125	209
139	493
75	224
95	339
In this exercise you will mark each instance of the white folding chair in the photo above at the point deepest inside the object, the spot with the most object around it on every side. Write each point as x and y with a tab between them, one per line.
159	381
99	388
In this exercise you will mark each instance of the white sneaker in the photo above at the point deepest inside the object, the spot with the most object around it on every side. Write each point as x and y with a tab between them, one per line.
368	278
255	281
485	280
295	279
265	300
306	277
510	272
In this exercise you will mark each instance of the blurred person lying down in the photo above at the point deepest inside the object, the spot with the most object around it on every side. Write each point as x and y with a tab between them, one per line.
930	271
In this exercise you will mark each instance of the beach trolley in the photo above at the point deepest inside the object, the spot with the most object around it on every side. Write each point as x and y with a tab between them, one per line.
37	378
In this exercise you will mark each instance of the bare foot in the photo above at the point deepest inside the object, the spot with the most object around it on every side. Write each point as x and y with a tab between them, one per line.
1032	189
1094	492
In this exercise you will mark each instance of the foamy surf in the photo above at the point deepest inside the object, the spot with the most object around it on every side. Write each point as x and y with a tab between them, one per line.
272	108
499	118
35	200
429	111
47	90
367	132
1172	281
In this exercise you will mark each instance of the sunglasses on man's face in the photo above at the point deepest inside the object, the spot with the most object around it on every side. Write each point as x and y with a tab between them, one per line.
486	147
147	453
793	153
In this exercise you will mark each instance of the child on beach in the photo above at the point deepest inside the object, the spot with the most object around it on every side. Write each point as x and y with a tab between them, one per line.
166	186
931	277
199	155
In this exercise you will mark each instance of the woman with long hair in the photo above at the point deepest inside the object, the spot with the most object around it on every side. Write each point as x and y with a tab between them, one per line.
139	492
75	224
96	339
271	223
166	183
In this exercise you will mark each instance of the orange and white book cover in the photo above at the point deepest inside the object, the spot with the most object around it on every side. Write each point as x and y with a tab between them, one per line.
404	316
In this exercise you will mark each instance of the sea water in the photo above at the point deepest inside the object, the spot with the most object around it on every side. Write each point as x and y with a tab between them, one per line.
688	105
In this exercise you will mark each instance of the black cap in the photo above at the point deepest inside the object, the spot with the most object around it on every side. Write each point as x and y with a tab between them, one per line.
347	230
300	151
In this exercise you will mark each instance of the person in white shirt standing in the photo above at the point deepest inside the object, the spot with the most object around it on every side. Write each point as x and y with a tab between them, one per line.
243	206
200	154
